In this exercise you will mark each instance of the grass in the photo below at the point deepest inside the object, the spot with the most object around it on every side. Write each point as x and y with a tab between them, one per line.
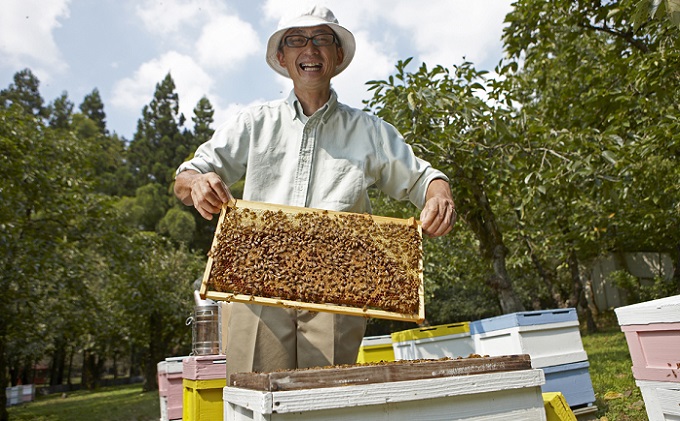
617	396
118	403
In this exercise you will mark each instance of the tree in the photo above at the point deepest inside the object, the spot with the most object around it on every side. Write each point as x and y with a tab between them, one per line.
25	93
60	112
158	146
440	115
203	120
92	107
602	93
42	200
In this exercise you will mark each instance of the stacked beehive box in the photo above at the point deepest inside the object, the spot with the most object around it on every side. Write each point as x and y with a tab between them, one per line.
170	388
552	339
451	340
376	349
398	391
652	332
204	377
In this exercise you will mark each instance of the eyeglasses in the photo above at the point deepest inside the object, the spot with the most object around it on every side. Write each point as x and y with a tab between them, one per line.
319	40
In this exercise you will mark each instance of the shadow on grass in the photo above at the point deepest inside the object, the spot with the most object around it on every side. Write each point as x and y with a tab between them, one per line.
106	404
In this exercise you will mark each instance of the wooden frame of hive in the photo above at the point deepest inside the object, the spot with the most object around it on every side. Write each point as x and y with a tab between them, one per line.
417	316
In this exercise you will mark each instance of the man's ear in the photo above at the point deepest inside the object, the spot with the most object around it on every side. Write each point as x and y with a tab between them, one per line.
279	56
341	55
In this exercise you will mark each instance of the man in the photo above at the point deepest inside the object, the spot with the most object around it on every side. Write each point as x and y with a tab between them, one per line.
308	150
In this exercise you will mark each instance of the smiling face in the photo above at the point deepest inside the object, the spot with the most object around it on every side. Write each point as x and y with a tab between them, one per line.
311	66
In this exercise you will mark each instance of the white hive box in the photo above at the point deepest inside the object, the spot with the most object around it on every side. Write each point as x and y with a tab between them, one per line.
451	340
442	395
662	400
550	337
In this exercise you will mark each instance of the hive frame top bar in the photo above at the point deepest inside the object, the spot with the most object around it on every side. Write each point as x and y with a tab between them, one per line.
418	317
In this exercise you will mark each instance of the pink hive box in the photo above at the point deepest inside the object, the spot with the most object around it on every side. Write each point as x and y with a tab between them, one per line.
652	331
170	389
205	367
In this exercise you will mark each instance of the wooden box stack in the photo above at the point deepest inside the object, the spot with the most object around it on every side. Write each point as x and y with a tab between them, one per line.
428	390
376	349
170	388
451	340
652	332
553	340
204	377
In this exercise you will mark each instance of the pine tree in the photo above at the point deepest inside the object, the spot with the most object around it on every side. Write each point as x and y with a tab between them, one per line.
203	120
93	108
158	144
60	112
25	93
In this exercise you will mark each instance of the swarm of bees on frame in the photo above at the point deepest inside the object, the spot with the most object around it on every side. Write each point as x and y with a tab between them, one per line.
318	257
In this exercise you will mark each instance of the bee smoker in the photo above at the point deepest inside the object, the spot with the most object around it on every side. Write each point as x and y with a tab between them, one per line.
205	327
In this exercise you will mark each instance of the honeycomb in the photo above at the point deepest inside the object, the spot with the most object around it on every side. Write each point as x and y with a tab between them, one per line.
318	257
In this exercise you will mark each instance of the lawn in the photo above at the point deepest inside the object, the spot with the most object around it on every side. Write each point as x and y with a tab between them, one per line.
617	396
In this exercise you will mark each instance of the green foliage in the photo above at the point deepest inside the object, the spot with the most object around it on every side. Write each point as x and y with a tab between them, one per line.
637	290
179	225
92	107
24	92
158	146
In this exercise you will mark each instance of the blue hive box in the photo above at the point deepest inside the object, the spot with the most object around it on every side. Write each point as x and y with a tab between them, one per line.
573	380
524	318
550	337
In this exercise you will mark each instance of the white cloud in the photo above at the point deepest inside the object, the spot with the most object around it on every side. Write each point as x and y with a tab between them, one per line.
172	16
371	62
190	80
225	41
458	29
26	35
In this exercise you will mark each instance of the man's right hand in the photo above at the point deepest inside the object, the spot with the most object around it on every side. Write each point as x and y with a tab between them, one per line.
206	192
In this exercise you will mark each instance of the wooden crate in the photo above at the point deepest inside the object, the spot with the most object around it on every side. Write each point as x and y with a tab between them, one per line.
375	226
414	390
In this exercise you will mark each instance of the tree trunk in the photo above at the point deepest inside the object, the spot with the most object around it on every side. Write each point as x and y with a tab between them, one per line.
4	383
482	221
676	270
70	367
555	296
155	353
578	295
58	363
501	283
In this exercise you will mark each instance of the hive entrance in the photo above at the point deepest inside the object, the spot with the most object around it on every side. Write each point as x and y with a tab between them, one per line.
319	260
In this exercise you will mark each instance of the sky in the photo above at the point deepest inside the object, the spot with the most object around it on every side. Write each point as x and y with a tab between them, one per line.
216	48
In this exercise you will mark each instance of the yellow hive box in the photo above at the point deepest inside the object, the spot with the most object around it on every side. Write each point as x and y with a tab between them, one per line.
450	340
376	349
556	407
202	400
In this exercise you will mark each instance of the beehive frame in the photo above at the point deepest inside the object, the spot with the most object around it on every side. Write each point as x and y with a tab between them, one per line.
207	291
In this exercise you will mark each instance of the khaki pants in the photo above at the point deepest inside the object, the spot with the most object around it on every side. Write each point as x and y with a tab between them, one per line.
265	339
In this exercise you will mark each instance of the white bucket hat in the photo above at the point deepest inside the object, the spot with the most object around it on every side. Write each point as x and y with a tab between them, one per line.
314	17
